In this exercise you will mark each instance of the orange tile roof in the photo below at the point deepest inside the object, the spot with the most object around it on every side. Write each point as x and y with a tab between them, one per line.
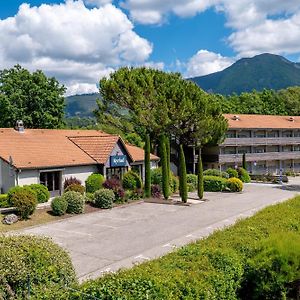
97	147
45	148
138	153
240	121
42	148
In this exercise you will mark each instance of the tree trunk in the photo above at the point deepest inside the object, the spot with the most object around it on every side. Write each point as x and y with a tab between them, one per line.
147	167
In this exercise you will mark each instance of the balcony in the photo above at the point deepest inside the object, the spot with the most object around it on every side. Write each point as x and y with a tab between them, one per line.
261	141
232	158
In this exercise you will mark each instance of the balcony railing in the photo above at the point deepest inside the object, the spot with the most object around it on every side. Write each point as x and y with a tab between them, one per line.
261	141
232	158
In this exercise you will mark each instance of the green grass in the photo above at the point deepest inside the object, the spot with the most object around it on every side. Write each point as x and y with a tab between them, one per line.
211	268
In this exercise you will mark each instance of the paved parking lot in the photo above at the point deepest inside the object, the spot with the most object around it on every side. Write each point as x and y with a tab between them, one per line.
109	240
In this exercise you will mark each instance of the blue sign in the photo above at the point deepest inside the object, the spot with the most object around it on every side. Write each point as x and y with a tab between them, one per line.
118	161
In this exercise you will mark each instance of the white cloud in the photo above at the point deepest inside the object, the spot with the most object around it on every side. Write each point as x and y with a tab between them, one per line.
258	25
205	62
154	11
277	36
70	41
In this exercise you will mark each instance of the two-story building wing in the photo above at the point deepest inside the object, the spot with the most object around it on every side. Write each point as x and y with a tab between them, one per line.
271	144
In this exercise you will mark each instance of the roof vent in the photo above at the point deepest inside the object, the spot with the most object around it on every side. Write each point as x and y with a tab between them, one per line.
236	118
291	119
19	126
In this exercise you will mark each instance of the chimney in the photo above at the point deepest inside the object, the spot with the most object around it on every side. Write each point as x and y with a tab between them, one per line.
291	119
20	126
236	118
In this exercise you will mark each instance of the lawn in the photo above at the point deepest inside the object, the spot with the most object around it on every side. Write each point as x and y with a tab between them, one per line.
40	216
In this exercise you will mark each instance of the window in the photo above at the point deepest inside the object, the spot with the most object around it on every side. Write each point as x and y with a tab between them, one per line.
272	134
116	172
287	134
230	134
52	180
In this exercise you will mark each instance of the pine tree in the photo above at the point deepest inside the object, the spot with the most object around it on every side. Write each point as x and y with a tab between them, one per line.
164	165
147	167
182	176
200	176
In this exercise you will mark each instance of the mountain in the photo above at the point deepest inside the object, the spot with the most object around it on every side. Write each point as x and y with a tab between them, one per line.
262	71
81	105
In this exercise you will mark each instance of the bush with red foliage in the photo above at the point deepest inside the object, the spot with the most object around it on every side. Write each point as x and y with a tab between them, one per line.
70	181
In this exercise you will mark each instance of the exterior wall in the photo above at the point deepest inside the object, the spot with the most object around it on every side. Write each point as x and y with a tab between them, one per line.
267	151
8	176
28	177
80	172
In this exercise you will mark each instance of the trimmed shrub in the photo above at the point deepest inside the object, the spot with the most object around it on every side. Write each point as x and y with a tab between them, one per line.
192	181
71	180
112	184
42	193
215	172
59	206
214	183
174	183
25	202
156	176
94	183
75	188
115	185
75	202
131	180
232	173
104	198
244	175
274	273
3	201
155	191
89	197
234	185
47	265
16	189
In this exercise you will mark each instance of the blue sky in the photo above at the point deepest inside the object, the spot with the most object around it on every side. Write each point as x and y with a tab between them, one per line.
80	41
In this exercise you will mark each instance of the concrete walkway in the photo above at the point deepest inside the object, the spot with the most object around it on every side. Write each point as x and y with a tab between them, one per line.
106	241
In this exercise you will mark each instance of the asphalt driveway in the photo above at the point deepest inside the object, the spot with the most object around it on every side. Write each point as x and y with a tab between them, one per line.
109	240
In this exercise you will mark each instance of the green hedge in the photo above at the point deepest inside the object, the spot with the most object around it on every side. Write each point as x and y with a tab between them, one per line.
215	172
3	201
75	202
212	268
192	181
232	173
59	206
131	181
156	178
94	183
214	183
42	193
45	263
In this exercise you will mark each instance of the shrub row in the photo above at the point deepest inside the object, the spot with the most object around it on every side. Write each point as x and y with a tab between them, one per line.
258	258
70	202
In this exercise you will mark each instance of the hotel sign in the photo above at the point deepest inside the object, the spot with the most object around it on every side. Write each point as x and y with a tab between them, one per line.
118	161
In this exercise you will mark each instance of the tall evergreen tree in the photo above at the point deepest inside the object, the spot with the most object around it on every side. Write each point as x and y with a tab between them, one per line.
164	166
182	175
168	149
200	176
147	167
